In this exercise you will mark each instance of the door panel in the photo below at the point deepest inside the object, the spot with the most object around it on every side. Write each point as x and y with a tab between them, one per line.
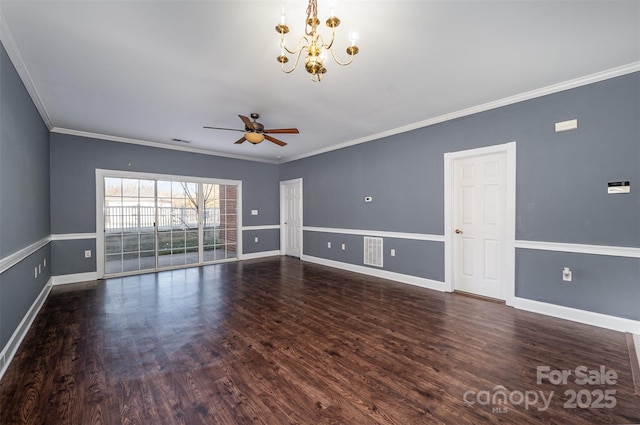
292	217
479	194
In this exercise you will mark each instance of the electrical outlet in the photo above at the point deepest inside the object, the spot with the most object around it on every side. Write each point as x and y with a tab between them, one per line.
45	263
328	244
393	252
35	272
87	253
566	274
344	247
255	239
39	268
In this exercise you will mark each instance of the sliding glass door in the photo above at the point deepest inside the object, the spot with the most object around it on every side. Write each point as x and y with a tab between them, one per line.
157	223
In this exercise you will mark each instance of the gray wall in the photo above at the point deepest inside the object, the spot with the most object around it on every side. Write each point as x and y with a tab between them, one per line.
24	197
68	256
561	190
74	160
604	284
423	259
24	165
268	240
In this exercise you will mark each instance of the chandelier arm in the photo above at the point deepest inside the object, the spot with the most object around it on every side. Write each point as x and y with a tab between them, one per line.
325	45
298	53
338	61
302	43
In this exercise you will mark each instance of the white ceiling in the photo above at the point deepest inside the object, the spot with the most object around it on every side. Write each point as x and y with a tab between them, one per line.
150	71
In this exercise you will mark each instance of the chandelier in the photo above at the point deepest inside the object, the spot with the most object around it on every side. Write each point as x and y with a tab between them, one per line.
313	44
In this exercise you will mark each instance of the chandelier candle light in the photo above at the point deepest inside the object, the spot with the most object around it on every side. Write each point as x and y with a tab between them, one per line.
313	44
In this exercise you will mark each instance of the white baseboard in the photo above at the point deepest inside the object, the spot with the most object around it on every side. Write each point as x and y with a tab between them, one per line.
384	274
262	254
21	331
74	278
582	316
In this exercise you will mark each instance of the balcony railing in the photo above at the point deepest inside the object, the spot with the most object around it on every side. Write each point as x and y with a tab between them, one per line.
128	218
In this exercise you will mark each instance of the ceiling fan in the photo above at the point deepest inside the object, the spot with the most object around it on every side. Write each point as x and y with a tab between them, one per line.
254	132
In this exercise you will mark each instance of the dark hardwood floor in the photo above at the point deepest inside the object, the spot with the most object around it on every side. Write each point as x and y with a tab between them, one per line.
278	341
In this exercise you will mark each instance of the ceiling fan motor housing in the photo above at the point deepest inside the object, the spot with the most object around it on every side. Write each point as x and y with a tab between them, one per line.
257	127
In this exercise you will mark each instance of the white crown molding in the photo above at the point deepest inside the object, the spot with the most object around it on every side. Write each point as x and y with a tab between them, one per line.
155	144
554	88
16	58
615	251
381	234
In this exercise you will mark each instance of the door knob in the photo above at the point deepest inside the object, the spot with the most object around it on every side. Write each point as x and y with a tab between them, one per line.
458	231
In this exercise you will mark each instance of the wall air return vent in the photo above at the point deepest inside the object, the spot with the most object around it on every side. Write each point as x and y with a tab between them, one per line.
373	251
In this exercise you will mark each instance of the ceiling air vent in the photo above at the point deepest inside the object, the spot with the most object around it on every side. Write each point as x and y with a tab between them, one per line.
373	251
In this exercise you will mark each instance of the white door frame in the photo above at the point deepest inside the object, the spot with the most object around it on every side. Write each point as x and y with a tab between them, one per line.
283	207
509	252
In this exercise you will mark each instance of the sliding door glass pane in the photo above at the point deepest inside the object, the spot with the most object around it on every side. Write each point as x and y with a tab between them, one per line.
220	222
129	215
211	230
228	219
178	218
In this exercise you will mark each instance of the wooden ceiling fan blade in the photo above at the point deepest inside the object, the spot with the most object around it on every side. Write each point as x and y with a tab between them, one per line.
247	122
274	140
240	140
283	130
222	128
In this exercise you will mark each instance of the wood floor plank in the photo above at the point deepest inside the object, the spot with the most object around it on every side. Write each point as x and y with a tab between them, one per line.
278	341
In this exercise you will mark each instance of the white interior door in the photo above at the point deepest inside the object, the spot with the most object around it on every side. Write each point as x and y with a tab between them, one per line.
479	219
291	217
